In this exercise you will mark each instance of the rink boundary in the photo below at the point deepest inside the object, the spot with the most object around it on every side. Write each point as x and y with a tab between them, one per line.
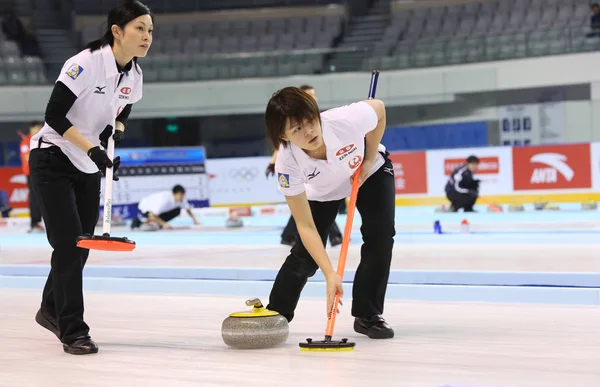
397	277
398	292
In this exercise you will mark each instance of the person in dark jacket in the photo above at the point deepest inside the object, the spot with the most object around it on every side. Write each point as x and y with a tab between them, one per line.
461	189
594	21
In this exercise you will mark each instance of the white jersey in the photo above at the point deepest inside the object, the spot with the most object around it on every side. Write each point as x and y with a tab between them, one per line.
94	78
344	131
161	202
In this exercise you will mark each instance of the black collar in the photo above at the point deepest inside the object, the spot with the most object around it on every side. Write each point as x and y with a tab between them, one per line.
125	69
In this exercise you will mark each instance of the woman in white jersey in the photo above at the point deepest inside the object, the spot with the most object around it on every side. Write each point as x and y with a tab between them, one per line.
318	155
94	91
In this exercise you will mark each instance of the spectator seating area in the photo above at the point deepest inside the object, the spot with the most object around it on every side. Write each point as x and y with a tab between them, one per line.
240	48
479	31
485	31
88	7
16	69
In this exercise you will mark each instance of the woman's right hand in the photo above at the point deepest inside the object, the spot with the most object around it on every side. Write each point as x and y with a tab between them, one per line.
334	285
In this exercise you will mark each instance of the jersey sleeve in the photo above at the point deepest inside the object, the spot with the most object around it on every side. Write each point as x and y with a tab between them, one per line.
290	180
76	73
358	117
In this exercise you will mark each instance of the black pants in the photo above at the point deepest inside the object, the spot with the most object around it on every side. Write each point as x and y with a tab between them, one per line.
165	216
290	232
34	207
70	204
460	200
376	205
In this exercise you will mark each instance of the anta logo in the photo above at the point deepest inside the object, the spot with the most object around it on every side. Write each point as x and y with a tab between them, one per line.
346	151
99	90
556	163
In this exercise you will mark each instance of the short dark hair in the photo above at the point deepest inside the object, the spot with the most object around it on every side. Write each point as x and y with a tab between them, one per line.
35	123
178	189
472	159
594	5
289	102
306	87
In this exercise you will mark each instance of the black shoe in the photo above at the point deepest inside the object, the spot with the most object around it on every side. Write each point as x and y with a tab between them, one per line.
135	223
82	345
335	241
47	322
374	327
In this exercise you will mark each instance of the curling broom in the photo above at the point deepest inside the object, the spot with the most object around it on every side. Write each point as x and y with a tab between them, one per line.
105	241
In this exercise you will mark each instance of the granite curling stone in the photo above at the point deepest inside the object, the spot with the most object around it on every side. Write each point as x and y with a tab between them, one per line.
258	328
516	208
234	222
589	206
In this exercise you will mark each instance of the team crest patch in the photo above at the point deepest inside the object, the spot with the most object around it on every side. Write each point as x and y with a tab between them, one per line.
284	180
74	71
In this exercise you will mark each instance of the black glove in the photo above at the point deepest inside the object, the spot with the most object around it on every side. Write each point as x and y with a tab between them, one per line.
270	170
476	184
105	135
100	158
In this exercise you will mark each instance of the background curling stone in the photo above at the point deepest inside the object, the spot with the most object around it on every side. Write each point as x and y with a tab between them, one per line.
234	222
589	206
516	208
540	205
258	328
442	208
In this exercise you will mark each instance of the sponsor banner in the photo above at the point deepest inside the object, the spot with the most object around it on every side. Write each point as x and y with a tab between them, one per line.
495	169
595	157
552	167
13	186
410	172
275	210
241	180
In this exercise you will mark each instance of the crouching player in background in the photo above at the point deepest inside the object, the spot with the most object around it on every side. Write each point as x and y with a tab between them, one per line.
162	207
461	189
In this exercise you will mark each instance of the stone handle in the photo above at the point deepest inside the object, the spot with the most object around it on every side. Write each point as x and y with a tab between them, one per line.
255	302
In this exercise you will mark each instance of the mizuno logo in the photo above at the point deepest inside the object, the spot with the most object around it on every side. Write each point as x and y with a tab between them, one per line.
314	174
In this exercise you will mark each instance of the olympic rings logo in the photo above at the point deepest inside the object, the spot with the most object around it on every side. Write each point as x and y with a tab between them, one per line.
246	174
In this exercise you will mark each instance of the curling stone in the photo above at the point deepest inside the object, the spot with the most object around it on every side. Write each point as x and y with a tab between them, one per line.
516	208
234	222
589	206
540	205
258	328
552	207
442	208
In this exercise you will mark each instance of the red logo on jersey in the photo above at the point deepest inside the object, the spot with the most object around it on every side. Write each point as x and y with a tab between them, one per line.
125	90
355	162
345	149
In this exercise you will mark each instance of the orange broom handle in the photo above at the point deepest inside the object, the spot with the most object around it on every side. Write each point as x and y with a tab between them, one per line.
492	206
344	250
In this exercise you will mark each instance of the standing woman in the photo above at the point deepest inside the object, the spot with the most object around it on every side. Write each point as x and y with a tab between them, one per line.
318	154
94	91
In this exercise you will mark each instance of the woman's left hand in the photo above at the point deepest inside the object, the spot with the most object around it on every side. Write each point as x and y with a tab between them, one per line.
366	167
